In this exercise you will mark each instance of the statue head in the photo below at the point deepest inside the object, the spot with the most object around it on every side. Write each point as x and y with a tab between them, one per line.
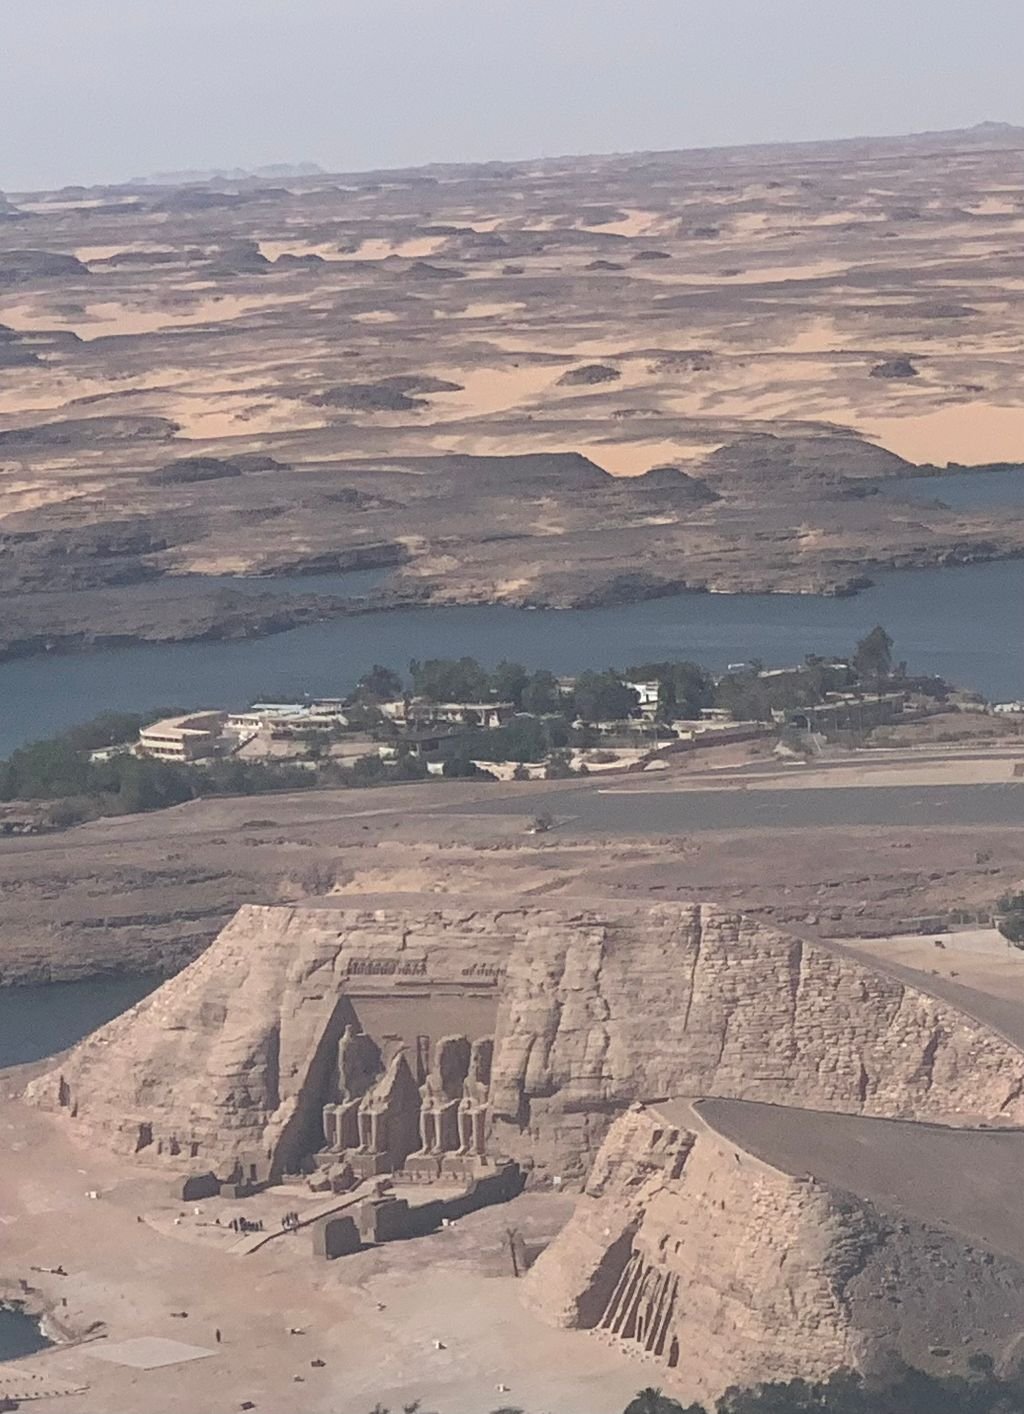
480	1060
359	1062
451	1063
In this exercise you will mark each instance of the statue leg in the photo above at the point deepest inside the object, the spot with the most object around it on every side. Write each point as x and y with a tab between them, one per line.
465	1131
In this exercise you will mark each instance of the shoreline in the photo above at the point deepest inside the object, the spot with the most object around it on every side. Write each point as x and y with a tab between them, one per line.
20	1295
276	614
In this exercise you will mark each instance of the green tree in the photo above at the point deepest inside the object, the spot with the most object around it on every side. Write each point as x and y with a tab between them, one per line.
745	696
1010	919
410	768
872	658
149	785
603	697
380	684
684	688
825	676
508	683
45	770
450	680
109	729
367	770
541	694
460	764
559	766
652	1401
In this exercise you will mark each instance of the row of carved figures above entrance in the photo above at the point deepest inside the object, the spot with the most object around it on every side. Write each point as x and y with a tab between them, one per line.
392	1111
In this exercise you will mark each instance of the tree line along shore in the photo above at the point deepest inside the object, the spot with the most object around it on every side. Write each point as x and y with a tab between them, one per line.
445	718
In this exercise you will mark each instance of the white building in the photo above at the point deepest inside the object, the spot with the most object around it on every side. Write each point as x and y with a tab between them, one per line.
417	711
647	692
266	714
188	738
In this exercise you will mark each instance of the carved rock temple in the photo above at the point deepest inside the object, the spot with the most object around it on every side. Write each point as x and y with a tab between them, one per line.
428	1033
763	1128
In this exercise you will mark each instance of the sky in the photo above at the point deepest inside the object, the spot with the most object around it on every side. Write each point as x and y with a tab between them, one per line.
103	90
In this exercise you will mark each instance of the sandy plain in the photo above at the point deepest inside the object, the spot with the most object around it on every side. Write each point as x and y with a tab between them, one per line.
147	893
697	301
372	1318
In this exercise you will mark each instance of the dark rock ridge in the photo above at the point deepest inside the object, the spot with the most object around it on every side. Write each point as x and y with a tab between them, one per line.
895	368
23	266
186	471
789	463
89	431
673	479
389	395
588	374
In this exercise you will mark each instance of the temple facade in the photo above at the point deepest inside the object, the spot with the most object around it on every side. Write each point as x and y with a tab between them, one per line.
423	1116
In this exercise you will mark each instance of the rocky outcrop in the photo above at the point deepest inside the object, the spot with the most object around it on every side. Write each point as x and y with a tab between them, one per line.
18	267
231	1059
685	1000
88	432
723	1270
588	374
592	1008
895	368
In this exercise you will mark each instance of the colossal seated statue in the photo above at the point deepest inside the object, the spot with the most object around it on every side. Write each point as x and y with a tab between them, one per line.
358	1066
440	1095
476	1090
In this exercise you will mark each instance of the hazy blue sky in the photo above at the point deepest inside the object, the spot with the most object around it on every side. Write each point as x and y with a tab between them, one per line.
98	90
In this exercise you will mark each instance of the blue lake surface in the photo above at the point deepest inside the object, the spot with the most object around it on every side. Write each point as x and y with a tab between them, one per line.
19	1334
980	490
965	623
38	1021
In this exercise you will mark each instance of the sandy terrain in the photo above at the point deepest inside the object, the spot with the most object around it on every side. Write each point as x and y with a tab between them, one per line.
979	958
966	432
797	260
371	1318
723	298
146	893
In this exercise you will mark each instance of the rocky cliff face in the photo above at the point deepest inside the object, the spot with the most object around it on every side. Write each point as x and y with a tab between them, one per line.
687	1000
722	1270
592	1008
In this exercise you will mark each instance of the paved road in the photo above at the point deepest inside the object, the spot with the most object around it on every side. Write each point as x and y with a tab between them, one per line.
618	811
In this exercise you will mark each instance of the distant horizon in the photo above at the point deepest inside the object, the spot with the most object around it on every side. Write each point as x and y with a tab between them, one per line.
282	167
100	91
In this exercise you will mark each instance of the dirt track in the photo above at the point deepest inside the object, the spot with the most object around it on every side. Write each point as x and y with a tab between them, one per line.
148	892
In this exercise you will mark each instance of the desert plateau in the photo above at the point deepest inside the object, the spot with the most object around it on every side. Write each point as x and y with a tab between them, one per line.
402	1008
569	382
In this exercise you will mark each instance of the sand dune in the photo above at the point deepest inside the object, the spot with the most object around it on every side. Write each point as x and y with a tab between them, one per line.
965	432
634	458
491	390
415	248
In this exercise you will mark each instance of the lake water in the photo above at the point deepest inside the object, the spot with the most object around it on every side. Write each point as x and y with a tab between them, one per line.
964	623
19	1334
981	490
39	1021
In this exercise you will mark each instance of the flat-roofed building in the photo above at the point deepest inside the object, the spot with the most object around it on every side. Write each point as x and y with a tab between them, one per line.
647	696
265	714
418	711
187	738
